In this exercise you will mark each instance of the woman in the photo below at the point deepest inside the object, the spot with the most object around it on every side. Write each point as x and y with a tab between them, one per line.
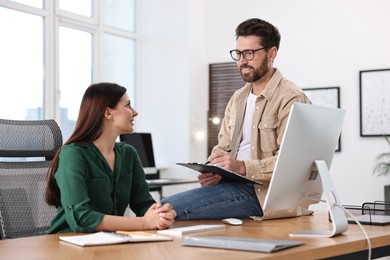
92	179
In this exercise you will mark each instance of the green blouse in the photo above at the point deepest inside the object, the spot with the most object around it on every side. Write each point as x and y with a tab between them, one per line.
89	189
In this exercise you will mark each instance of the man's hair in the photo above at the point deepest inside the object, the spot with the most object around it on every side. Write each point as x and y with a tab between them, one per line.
268	33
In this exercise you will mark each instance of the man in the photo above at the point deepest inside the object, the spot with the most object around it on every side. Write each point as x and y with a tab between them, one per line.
251	131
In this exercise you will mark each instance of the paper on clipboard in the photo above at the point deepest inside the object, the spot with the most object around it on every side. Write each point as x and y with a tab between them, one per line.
226	174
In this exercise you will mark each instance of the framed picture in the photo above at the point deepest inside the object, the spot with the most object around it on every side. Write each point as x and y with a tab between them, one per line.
327	97
374	102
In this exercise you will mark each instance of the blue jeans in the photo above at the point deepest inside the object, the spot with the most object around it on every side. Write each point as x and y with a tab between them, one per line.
223	200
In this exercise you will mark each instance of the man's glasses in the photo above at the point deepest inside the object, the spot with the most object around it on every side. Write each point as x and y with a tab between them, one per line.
246	54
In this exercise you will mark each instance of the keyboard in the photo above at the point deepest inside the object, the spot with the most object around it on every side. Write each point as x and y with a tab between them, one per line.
240	243
188	230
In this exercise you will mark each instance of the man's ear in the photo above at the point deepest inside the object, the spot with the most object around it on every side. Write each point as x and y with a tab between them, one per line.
272	54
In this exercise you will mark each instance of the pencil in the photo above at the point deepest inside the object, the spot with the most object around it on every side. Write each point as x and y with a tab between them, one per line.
136	233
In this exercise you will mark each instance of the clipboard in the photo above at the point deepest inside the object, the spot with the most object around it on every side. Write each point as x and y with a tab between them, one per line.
226	174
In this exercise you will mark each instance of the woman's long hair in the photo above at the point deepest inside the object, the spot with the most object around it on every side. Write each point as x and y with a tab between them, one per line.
96	99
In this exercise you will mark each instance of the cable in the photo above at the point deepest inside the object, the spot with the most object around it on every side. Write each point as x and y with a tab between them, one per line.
361	227
354	218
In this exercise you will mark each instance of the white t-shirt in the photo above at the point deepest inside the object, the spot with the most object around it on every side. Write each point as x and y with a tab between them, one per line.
244	151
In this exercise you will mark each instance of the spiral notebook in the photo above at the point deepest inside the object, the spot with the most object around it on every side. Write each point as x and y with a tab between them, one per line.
110	238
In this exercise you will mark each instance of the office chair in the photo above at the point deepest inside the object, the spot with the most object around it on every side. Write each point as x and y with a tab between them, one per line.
26	150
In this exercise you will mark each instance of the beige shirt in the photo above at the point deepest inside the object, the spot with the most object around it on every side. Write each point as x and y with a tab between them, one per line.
269	123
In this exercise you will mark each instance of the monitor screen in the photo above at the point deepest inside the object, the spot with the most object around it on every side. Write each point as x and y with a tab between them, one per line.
311	134
142	142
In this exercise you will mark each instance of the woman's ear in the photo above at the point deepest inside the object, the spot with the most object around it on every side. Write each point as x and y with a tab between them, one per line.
107	113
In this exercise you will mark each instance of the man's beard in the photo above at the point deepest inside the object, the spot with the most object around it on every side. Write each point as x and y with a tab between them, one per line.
254	75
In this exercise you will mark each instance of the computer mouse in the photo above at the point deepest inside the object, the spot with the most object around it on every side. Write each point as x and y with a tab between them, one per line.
232	221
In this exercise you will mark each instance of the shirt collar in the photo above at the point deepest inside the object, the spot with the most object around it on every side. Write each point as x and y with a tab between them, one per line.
272	85
269	89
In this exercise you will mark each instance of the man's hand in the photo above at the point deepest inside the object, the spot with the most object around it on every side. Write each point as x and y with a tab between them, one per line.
227	161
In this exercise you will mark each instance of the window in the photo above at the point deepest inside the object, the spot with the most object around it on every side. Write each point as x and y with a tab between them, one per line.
74	73
21	65
53	49
116	63
116	14
34	3
81	7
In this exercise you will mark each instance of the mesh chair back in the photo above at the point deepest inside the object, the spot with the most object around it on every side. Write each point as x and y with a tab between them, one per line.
23	210
29	138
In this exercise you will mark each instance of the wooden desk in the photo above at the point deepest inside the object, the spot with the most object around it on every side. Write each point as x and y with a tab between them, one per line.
49	247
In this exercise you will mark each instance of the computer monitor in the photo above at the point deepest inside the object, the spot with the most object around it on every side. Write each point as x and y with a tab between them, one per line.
142	142
301	172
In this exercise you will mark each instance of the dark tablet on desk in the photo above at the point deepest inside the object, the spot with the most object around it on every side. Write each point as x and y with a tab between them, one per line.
226	174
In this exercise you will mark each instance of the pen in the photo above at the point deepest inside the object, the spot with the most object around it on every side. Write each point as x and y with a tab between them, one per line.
136	233
228	151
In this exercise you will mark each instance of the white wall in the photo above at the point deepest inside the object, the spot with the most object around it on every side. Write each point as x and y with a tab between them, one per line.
324	43
162	94
171	95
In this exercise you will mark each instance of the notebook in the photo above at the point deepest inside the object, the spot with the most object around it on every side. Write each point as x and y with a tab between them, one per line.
240	243
226	174
109	238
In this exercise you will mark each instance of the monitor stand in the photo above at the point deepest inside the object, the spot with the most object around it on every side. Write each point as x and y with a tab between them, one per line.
339	220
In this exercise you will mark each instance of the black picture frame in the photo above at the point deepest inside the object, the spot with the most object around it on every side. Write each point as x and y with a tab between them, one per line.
325	96
374	89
